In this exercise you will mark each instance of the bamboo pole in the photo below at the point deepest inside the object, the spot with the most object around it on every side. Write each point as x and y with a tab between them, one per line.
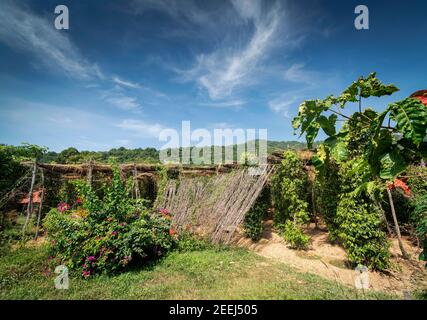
396	226
30	198
40	205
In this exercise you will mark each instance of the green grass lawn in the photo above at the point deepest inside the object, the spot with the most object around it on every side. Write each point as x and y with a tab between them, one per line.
207	274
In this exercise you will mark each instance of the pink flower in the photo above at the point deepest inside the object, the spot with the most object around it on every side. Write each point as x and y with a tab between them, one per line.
164	211
114	233
79	201
63	206
86	273
91	258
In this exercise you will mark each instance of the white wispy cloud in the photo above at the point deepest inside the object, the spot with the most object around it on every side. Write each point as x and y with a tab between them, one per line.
222	125
283	103
126	83
234	104
60	120
298	73
141	128
24	30
119	98
186	13
124	102
230	67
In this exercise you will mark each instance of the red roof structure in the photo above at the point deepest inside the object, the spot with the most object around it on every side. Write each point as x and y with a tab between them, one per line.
36	197
420	95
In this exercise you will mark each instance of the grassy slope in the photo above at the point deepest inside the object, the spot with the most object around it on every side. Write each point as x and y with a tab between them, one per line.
208	274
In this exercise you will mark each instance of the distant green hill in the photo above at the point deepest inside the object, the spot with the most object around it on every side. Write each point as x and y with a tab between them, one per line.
148	155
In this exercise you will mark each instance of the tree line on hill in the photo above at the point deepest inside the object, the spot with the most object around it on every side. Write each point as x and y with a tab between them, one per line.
72	155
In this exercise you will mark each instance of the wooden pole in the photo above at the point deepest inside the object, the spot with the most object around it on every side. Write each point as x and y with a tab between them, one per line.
89	173
396	226
135	182
383	216
30	198
40	205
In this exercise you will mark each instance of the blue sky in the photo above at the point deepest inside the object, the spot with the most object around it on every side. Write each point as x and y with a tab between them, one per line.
128	69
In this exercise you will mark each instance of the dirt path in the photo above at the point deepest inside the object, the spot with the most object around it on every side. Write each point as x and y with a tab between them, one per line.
330	261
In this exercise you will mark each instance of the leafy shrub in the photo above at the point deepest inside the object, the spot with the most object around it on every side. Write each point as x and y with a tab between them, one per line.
254	218
360	232
116	231
289	191
358	218
294	236
191	242
328	188
418	216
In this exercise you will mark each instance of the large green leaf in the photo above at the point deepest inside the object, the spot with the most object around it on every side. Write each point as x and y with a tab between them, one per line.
340	152
381	144
311	134
328	124
317	162
366	87
372	87
307	119
392	164
410	116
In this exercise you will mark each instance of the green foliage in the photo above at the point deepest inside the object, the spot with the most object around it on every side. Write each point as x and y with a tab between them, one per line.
418	216
192	242
253	223
311	115
358	132
360	233
366	150
10	167
289	194
328	187
364	133
367	87
121	155
410	116
289	190
162	173
392	163
294	236
105	235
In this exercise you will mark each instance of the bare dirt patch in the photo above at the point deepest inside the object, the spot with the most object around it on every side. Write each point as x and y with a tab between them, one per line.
330	261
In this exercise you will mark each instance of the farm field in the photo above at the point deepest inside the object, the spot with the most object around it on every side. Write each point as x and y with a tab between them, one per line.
206	274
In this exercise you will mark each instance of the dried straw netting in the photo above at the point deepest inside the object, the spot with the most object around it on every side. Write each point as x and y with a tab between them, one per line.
214	206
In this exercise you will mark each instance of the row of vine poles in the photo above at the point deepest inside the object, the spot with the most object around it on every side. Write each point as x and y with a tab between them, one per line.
386	150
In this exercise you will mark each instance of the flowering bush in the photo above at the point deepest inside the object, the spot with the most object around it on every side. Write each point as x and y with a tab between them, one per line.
116	231
63	206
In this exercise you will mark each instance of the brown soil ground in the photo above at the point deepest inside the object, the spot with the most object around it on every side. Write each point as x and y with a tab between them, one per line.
330	261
